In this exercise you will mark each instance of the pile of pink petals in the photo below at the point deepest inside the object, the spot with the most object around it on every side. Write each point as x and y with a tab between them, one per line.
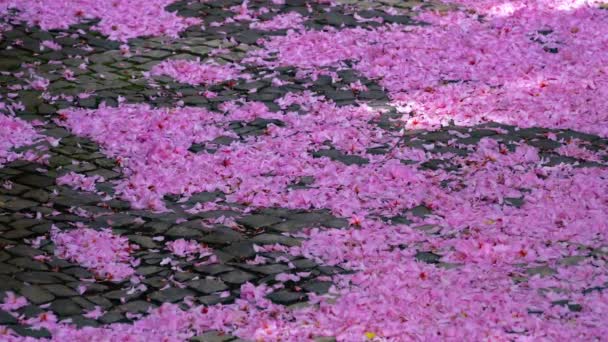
197	73
120	20
503	268
186	248
105	254
152	145
495	271
291	20
541	63
79	181
15	133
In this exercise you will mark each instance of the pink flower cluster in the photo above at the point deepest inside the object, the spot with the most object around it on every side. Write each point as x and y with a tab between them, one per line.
576	149
12	302
503	267
14	133
507	239
197	73
79	182
525	68
120	20
152	145
186	248
490	244
105	254
291	20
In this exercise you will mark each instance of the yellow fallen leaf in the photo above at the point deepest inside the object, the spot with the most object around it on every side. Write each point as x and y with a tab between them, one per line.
370	335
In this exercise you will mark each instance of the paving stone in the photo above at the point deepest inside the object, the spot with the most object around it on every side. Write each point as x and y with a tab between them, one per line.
258	221
65	218
83	166
78	272
213	269
17	204
156	282
83	303
121	295
56	132
304	264
137	306
212	336
171	295
270	239
37	181
24	251
37	195
75	201
267	269
183	232
222	235
29	263
372	95
64	277
120	220
58	160
30	332
9	64
7	318
111	317
237	277
156	227
207	286
543	271
223	257
211	299
325	339
572	260
65	307
148	270
286	297
60	290
218	213
330	270
30	310
100	301
7	283
318	287
90	288
17	234
4	256
8	269
184	276
204	197
36	294
290	226
428	257
81	322
240	249
15	189
143	241
341	157
156	54
421	211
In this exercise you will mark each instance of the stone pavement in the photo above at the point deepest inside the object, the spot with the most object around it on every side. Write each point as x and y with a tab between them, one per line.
114	76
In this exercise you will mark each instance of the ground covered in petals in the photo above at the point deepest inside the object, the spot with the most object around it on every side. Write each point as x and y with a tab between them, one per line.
303	170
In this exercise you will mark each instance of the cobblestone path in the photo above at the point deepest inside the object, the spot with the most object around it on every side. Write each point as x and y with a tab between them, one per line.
33	204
